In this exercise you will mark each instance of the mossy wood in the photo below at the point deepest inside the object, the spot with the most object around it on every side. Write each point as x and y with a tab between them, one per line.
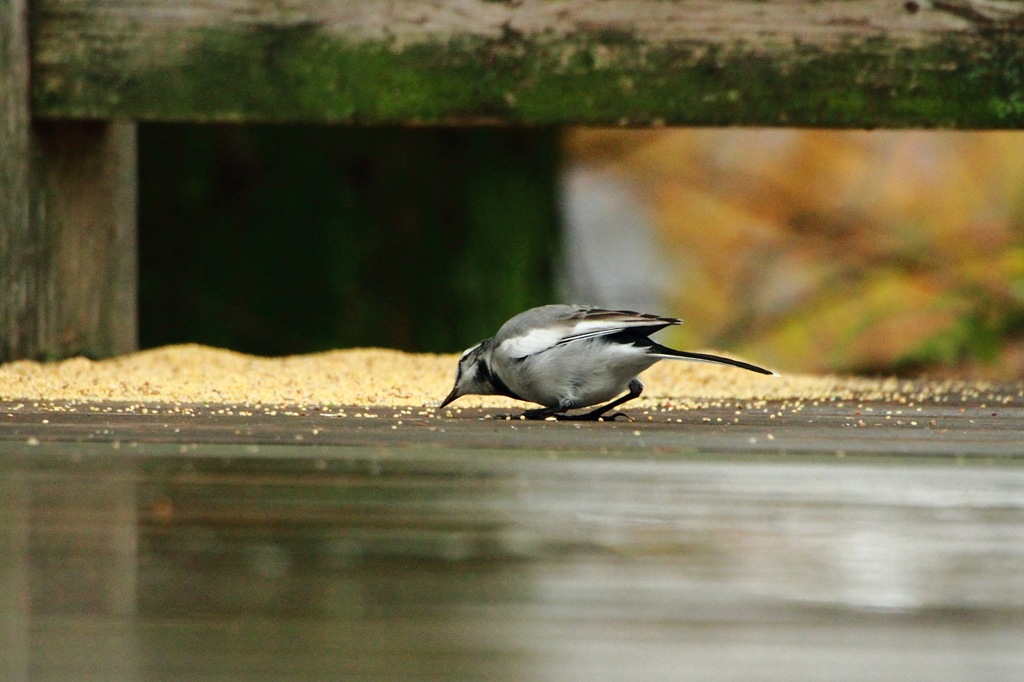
846	63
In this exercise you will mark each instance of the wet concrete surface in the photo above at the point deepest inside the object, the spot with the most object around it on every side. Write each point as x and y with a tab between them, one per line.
949	428
786	542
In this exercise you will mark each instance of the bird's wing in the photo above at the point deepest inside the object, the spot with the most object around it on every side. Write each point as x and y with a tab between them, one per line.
577	324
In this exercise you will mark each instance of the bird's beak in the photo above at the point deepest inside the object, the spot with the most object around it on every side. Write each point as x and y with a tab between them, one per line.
451	396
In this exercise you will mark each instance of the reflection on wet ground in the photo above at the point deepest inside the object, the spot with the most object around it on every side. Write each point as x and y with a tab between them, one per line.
353	563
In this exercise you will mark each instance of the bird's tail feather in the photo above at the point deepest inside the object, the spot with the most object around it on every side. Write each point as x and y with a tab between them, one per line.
671	354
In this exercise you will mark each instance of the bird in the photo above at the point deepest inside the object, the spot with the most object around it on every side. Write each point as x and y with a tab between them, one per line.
565	357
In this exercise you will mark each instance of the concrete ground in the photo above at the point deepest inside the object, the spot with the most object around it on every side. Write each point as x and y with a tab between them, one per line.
981	427
861	541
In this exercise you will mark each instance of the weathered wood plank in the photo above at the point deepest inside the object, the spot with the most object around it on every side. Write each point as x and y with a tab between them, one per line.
857	63
68	259
67	221
84	196
15	124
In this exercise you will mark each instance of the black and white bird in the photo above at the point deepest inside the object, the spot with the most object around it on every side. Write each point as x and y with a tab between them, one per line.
570	356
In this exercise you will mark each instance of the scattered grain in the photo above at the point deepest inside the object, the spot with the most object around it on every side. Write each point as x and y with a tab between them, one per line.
384	378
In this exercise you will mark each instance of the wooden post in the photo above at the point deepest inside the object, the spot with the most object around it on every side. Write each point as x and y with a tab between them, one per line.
14	173
83	215
67	221
15	124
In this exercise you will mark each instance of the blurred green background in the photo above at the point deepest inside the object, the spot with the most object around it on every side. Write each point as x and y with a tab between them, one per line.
283	239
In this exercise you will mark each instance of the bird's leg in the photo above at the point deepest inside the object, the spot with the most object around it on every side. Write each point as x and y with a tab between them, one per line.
537	414
544	413
635	389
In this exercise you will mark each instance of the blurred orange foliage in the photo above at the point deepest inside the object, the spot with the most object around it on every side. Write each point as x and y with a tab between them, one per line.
850	251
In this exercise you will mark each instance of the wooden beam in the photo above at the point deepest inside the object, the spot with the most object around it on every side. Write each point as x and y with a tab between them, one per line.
849	63
67	222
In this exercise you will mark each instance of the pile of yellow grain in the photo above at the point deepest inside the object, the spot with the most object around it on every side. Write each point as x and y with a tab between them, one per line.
368	377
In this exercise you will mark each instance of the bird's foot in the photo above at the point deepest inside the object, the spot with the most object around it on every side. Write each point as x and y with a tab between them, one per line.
586	417
532	415
593	417
544	415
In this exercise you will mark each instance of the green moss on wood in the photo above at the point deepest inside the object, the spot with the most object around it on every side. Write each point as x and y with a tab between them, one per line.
304	74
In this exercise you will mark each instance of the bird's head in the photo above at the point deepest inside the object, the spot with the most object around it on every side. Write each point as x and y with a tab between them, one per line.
473	376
